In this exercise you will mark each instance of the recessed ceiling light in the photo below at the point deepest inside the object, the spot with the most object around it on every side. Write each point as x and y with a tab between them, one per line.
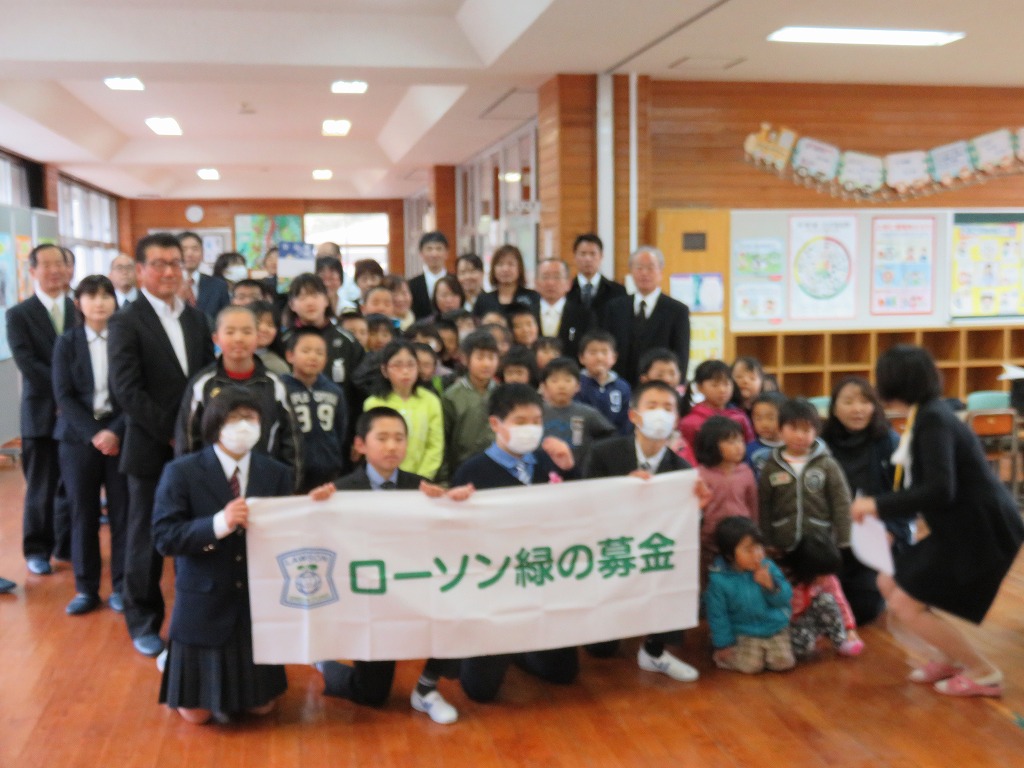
840	36
349	86
164	126
336	127
208	174
124	84
322	174
512	177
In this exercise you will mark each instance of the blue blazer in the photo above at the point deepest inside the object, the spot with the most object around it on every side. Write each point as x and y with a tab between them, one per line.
212	295
31	337
73	388
211	582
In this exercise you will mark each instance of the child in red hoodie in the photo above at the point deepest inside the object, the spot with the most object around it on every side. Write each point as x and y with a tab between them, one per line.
713	380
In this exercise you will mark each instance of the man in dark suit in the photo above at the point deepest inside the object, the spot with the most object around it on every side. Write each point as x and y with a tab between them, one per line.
434	255
156	344
32	330
208	293
648	318
588	251
122	275
557	316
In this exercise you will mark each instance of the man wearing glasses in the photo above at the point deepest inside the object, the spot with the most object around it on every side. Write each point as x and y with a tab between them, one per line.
122	275
156	343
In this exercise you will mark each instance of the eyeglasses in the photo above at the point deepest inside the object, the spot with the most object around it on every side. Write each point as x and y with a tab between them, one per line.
160	265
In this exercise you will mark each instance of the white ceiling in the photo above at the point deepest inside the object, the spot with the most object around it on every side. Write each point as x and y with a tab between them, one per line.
447	77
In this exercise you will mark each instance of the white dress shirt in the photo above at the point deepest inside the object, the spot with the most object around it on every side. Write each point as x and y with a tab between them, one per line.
121	298
100	371
53	301
551	316
170	319
651	299
229	465
652	462
432	279
594	281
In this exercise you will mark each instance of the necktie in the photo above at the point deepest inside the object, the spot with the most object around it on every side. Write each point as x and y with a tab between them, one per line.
235	485
645	466
388	485
523	473
188	293
642	314
588	294
57	316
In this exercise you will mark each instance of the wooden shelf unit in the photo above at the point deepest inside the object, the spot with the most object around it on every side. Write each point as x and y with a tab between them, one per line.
809	363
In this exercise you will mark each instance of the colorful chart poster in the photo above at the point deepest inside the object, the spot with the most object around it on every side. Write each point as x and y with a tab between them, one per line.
256	233
987	268
707	340
23	247
822	250
293	259
700	291
758	265
902	266
8	287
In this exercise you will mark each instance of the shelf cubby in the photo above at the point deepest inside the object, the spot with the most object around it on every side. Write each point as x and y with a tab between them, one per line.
885	340
803	349
803	384
765	347
985	344
847	348
836	375
978	377
944	344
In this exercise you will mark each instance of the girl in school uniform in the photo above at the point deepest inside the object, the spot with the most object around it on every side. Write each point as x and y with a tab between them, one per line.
90	427
200	518
420	408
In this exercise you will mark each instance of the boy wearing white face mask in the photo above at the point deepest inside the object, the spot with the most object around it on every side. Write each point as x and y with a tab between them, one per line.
519	455
654	411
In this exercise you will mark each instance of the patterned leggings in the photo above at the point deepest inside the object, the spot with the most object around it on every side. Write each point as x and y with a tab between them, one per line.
822	617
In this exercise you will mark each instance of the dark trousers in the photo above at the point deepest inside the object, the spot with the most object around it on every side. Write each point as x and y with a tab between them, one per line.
481	676
369	682
62	520
84	470
40	465
143	565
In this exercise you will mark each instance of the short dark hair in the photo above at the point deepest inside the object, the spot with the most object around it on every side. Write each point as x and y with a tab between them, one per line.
93	285
189	235
907	373
799	409
813	556
263	308
366	420
393	282
457	315
225	260
588	237
307	282
248	283
301	332
516	310
478	341
508	251
473	260
156	240
877	427
433	237
424	328
376	321
548	342
711	433
33	255
597	336
647	386
234	309
223	404
377	289
519	356
332	263
367	267
419	346
657	355
507	397
561	365
452	284
730	531
774	398
504	329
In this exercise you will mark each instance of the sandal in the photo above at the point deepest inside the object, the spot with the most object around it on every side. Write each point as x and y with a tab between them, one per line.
933	672
962	685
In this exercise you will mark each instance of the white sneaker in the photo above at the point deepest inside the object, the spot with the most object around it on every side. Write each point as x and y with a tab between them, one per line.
667	664
161	660
434	705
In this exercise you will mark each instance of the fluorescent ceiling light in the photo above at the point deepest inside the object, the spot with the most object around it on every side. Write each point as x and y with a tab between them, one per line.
839	36
336	127
349	86
124	84
208	174
512	177
322	174
164	126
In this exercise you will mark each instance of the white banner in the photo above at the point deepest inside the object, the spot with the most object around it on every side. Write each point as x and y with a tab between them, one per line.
396	575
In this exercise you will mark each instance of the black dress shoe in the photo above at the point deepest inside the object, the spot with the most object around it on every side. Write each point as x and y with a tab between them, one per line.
6	585
148	645
82	603
116	602
40	566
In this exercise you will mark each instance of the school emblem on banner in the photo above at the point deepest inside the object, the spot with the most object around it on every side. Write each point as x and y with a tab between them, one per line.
308	578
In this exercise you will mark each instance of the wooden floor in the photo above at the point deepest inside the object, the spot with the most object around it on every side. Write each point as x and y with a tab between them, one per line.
74	693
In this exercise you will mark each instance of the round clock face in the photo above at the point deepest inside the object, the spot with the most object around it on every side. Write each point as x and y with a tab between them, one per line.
194	213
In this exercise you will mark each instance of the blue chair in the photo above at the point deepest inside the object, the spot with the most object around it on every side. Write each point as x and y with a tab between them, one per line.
988	399
821	402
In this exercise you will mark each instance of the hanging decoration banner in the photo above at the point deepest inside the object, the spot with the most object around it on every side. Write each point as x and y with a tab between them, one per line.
822	252
396	575
893	177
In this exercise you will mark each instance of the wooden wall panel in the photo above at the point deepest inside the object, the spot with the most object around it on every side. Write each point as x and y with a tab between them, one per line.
567	159
697	131
442	195
144	215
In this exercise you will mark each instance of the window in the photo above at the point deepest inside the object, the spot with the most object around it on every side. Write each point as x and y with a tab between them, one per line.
360	236
13	182
88	226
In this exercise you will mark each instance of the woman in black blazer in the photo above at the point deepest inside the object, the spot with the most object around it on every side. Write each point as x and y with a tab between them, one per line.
200	517
90	428
508	276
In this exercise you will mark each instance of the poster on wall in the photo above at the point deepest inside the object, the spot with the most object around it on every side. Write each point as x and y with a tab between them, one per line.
707	340
758	265
22	248
902	266
822	252
294	259
987	274
256	233
8	287
699	291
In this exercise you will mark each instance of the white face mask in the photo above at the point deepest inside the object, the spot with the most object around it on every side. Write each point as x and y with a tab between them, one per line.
524	438
657	424
239	437
235	273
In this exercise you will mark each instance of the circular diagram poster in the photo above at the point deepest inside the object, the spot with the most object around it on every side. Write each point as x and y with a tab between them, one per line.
822	258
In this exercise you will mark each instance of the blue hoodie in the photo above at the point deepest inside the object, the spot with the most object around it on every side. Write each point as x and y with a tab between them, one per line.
611	400
737	605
